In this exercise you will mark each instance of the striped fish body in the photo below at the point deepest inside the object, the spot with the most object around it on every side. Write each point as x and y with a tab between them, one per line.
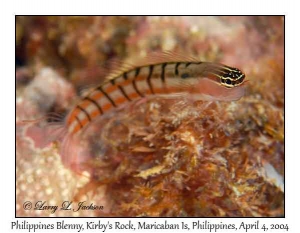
203	80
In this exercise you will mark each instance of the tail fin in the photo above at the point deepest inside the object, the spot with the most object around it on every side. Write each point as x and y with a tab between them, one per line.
52	128
45	130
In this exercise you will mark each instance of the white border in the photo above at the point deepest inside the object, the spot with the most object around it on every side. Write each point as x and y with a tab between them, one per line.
7	43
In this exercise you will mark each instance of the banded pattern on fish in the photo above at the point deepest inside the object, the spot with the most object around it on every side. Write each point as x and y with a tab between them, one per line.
158	77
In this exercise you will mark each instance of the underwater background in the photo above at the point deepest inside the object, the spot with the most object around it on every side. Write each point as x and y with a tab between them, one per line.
162	157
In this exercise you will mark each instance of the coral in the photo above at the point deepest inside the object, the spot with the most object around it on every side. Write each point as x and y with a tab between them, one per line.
199	161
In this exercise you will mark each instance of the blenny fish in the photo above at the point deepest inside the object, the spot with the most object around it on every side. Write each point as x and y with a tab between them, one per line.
164	75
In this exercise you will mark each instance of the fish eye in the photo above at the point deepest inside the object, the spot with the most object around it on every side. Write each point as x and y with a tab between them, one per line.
228	81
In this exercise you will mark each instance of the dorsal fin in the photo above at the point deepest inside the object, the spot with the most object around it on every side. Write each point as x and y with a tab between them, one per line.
86	89
151	59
